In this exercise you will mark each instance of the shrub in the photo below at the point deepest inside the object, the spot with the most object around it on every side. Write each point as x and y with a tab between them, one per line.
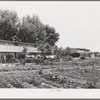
4	83
82	58
46	62
38	61
68	58
17	80
21	56
32	79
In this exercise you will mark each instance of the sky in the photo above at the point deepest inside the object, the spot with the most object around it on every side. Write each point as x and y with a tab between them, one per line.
77	22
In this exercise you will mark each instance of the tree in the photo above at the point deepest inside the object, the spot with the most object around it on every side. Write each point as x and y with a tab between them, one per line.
23	53
52	36
57	51
29	29
9	25
66	51
45	49
32	30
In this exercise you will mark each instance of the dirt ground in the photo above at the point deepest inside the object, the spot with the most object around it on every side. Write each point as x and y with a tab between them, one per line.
63	74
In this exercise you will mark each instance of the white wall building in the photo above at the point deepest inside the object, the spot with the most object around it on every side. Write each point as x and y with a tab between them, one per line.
12	46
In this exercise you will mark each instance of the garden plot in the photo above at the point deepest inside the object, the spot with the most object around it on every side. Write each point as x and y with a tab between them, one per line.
73	74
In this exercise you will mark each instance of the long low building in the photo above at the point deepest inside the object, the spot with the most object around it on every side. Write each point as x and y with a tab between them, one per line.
12	46
15	48
77	52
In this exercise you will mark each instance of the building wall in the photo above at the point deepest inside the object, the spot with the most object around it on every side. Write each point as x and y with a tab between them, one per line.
6	47
77	52
10	48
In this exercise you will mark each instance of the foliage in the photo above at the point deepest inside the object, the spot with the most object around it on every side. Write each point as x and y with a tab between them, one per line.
52	36
32	30
67	58
57	51
9	25
22	55
66	51
82	57
62	53
73	74
14	80
29	30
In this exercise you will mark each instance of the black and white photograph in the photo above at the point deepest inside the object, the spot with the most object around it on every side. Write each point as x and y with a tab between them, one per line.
49	45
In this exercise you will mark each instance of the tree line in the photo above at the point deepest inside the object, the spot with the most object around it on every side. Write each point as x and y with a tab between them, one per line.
28	29
63	53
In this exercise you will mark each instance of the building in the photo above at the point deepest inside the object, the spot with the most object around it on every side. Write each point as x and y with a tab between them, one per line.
77	52
95	54
12	47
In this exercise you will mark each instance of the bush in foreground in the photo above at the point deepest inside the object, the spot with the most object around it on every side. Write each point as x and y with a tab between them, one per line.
19	80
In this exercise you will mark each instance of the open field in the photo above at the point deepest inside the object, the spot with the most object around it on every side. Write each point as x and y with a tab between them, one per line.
63	74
